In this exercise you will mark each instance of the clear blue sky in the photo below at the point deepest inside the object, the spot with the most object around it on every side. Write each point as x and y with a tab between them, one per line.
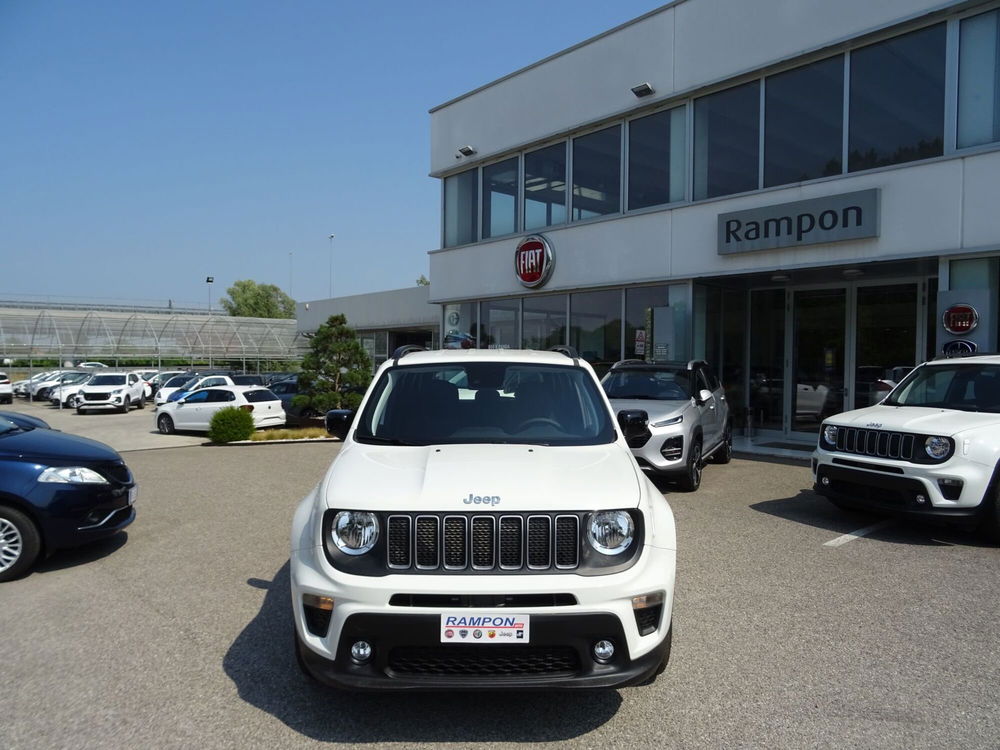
146	145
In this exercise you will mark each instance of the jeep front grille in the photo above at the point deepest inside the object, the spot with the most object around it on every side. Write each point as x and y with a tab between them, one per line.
537	541
880	443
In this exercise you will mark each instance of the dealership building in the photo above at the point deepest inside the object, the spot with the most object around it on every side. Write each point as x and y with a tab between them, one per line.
803	194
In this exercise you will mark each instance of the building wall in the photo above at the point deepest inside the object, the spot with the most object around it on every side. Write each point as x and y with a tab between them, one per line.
677	49
396	308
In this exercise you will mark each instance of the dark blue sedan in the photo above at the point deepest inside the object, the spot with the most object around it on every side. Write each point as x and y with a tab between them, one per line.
57	490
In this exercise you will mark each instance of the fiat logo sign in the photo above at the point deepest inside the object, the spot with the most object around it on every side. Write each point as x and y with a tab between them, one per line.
960	319
533	261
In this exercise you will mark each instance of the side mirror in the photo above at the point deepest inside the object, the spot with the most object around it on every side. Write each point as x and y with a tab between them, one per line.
633	426
338	422
704	396
181	401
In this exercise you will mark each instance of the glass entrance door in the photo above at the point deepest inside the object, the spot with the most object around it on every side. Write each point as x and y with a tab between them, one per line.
886	347
818	363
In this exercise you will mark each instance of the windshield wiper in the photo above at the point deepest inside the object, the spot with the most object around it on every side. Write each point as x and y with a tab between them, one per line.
384	440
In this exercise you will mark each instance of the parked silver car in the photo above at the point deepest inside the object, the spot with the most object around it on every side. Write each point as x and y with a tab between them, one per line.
684	407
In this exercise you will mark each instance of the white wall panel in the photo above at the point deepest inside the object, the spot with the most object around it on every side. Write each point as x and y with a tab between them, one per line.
982	189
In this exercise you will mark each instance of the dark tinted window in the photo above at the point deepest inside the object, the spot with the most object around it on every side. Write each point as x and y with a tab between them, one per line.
597	173
804	123
460	208
248	380
897	100
258	395
197	397
500	198
107	380
545	187
659	384
726	141
656	159
179	380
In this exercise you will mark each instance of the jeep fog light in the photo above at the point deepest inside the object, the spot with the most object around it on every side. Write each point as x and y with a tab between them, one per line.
604	651
354	532
610	532
361	651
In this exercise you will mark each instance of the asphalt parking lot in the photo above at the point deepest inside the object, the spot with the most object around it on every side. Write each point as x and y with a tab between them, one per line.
178	633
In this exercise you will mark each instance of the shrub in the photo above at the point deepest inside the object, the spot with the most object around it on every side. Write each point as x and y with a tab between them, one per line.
230	424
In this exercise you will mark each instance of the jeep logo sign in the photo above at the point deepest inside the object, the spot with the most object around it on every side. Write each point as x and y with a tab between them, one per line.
835	218
533	261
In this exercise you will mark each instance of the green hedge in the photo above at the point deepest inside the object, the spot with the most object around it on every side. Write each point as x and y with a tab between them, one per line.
230	424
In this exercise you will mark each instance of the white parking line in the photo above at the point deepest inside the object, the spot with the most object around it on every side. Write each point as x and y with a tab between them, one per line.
844	539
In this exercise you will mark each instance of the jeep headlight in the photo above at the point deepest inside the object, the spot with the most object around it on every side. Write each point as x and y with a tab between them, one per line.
354	532
830	434
610	532
937	447
71	475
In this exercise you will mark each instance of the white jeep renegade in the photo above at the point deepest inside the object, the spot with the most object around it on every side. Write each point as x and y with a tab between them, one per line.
484	526
930	448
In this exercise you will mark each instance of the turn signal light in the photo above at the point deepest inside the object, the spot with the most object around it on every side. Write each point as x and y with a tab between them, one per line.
647	600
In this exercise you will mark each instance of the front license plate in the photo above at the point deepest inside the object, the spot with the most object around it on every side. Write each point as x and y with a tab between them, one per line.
133	493
485	628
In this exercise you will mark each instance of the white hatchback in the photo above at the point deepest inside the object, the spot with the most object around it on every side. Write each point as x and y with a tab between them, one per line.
6	390
195	411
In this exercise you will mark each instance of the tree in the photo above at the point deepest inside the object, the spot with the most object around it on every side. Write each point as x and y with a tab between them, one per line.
249	299
423	281
336	370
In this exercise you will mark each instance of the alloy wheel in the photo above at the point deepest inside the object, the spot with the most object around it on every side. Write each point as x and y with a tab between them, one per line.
11	544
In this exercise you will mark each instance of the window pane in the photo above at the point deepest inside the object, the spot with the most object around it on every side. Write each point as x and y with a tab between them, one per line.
460	208
804	123
656	159
545	187
500	198
655	329
544	321
499	324
979	80
597	173
460	326
897	100
726	141
595	327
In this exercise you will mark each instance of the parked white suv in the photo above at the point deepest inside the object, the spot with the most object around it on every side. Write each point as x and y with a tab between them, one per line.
930	448
115	390
484	526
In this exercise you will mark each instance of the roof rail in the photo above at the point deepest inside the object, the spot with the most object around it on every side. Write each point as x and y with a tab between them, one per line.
630	362
569	351
402	351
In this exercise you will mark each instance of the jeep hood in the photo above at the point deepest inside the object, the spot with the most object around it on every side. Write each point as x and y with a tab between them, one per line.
919	419
444	477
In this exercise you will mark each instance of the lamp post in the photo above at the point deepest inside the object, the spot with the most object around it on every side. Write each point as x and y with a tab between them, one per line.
331	267
209	280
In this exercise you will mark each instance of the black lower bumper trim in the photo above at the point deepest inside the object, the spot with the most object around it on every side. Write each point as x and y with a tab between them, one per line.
884	493
559	656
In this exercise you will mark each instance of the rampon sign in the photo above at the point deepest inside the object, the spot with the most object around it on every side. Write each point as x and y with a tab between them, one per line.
848	216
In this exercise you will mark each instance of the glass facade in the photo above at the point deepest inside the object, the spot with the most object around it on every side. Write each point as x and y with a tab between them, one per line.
979	80
897	100
544	321
804	123
656	149
500	198
460	203
596	327
545	187
461	327
726	141
499	324
597	174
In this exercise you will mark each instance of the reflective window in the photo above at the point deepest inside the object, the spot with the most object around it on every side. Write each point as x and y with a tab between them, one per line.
979	80
498	321
545	187
500	198
595	327
897	100
544	321
460	201
656	323
597	173
804	123
460	326
726	141
656	159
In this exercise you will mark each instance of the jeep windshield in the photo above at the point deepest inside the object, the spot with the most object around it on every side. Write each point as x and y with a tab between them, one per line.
646	383
485	402
107	380
966	387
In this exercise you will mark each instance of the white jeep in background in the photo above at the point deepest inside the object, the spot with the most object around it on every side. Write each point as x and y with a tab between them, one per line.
483	527
931	448
113	390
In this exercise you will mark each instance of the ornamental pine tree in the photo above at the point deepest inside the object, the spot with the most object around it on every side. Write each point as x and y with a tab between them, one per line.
336	370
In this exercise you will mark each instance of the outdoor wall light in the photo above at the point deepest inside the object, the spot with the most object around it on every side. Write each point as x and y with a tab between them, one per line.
852	273
780	277
643	89
465	151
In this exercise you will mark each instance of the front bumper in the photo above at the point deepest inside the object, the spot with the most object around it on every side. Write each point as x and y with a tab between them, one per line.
900	487
399	635
651	455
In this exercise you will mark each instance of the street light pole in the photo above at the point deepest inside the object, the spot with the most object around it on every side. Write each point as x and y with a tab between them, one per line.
209	280
331	267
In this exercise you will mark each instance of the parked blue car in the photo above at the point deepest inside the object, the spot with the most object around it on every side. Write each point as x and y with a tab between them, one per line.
56	491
